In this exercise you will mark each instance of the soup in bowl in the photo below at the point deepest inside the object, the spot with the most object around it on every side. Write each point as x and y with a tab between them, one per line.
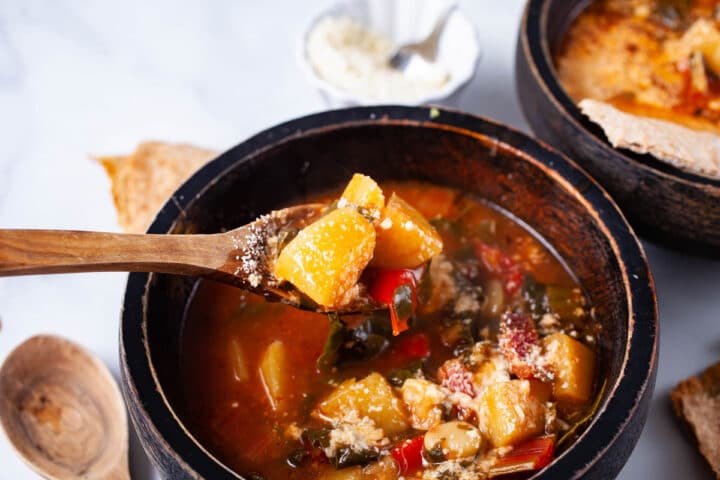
530	339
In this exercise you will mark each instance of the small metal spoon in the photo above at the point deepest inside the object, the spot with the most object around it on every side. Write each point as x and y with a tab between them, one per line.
425	46
62	411
241	257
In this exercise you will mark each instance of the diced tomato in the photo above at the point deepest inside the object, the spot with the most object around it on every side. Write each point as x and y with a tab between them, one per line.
413	346
531	455
498	262
454	376
388	287
408	455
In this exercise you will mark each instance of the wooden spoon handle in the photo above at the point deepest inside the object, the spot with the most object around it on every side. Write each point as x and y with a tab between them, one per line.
25	252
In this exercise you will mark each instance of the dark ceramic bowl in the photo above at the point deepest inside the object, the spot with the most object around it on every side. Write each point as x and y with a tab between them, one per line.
281	165
665	204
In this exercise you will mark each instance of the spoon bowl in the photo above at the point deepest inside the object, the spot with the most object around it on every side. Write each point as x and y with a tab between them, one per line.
62	411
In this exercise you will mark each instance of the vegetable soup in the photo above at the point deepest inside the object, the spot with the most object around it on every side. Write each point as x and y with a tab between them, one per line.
487	368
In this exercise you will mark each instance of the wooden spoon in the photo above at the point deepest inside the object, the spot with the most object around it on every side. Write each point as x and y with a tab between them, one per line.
241	257
62	411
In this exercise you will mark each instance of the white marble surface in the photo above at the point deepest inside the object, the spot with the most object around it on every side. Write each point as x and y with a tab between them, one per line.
82	77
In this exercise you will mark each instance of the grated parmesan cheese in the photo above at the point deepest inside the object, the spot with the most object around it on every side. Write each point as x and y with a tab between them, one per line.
355	59
357	434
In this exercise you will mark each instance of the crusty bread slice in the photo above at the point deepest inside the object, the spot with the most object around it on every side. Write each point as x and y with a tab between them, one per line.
691	150
697	404
143	181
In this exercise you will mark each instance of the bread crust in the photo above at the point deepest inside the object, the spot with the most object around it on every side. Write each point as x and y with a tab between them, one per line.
696	402
143	180
690	150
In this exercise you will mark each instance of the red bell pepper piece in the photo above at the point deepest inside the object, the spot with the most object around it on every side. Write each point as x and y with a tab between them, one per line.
408	455
498	262
531	455
386	288
413	346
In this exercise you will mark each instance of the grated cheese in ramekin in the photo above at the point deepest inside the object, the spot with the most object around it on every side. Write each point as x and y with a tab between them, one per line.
355	59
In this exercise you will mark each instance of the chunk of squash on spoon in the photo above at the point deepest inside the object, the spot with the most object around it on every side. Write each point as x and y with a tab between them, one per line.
363	193
405	239
326	258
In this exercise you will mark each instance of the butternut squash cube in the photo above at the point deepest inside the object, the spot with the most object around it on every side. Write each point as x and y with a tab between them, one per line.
363	192
273	368
574	367
432	201
405	239
513	411
370	397
325	260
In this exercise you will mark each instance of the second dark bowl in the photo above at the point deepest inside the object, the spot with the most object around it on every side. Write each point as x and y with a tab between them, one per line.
665	204
282	165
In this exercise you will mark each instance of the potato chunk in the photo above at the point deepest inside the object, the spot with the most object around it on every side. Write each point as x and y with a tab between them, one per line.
574	366
273	368
405	239
512	411
325	260
363	192
370	397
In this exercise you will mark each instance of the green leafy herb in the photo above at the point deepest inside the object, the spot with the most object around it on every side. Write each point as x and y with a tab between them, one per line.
346	457
403	301
317	437
333	343
346	344
297	457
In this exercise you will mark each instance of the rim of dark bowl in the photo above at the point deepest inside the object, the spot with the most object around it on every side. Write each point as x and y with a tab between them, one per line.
537	50
624	395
